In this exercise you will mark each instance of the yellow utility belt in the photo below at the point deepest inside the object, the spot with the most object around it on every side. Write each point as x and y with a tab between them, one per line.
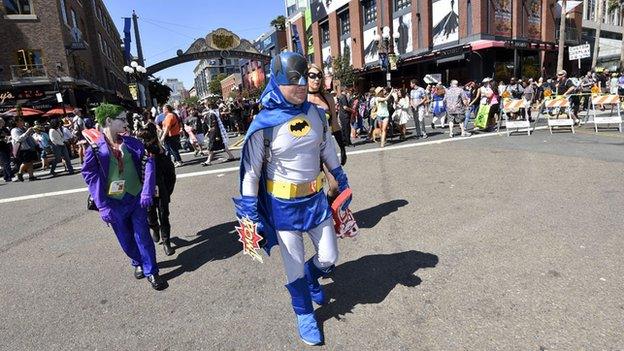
287	190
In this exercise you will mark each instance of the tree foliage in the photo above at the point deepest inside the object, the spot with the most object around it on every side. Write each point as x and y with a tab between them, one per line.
191	101
279	22
159	91
343	70
215	84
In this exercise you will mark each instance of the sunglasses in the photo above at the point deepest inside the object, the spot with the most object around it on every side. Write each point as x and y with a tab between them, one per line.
315	75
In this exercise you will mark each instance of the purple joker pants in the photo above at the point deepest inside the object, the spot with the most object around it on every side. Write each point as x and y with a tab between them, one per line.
132	232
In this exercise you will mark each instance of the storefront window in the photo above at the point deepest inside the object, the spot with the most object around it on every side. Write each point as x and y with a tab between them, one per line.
17	7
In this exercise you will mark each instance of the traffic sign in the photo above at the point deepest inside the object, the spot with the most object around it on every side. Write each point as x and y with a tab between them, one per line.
579	52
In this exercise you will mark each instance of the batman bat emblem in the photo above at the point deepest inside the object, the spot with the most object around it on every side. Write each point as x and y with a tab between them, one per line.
299	127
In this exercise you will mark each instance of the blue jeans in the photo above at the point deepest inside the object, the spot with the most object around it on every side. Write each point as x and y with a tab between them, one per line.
61	152
172	146
469	111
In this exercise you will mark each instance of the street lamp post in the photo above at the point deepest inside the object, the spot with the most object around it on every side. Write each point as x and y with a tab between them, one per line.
385	51
137	72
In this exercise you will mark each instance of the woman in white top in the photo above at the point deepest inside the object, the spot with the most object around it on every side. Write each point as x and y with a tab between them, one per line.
402	111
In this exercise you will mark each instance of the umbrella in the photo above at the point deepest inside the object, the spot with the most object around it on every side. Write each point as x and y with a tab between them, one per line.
58	111
26	112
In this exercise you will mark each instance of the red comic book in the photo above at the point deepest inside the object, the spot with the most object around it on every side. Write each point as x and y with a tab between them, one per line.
344	222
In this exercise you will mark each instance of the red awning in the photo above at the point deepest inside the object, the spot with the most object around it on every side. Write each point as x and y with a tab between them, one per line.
486	44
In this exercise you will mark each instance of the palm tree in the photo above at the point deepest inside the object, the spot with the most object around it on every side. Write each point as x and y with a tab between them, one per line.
618	5
599	19
279	22
562	24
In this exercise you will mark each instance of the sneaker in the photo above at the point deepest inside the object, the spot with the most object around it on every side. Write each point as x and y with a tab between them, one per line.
432	125
466	134
450	134
425	136
20	177
177	164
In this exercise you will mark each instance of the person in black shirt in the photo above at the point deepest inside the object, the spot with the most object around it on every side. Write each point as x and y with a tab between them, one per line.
344	113
5	151
564	86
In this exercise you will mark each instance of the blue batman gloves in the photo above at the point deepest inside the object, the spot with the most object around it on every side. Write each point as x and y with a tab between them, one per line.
343	183
302	305
247	206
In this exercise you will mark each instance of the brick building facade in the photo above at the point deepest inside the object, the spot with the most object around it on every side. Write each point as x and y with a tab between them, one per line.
465	40
71	46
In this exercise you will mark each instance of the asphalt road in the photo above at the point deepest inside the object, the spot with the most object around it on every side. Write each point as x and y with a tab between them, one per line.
481	243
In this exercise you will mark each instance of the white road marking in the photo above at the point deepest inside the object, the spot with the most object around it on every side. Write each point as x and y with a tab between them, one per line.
235	169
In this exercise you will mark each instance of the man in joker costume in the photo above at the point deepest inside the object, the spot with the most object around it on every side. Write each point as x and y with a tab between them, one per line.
282	185
121	180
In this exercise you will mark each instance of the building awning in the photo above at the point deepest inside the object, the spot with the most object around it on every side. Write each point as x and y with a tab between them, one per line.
486	44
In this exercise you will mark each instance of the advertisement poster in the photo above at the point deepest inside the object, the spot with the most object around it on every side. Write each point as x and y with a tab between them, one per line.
502	17
403	26
345	49
327	57
322	8
445	22
534	8
371	48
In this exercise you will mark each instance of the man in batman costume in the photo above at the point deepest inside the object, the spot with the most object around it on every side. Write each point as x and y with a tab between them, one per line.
281	185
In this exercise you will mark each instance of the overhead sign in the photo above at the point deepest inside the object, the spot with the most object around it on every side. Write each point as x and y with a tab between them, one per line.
579	52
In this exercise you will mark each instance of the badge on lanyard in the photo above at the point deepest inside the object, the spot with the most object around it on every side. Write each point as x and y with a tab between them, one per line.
157	192
117	187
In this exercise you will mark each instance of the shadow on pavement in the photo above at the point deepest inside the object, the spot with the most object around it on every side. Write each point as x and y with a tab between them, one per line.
370	217
215	243
370	279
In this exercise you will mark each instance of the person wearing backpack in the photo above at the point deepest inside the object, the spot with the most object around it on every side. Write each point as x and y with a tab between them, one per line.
121	180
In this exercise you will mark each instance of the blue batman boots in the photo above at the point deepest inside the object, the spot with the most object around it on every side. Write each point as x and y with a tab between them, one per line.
312	275
302	305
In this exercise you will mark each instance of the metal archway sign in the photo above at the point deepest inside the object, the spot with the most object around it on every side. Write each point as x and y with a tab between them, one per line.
220	43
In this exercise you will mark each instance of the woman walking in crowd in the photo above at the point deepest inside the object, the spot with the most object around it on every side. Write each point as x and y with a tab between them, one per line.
24	149
383	114
43	140
190	126
472	92
61	153
437	105
158	212
122	188
217	136
402	113
171	134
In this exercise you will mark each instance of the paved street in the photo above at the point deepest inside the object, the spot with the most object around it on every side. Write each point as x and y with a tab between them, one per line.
481	243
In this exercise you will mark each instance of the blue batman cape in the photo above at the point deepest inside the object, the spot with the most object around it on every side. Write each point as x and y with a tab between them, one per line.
276	111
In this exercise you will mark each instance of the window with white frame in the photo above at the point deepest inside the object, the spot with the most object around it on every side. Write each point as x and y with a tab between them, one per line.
64	11
345	24
401	4
325	33
369	8
18	7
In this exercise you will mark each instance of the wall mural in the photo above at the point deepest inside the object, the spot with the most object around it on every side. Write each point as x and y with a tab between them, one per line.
445	21
403	26
322	8
534	8
371	50
345	49
502	17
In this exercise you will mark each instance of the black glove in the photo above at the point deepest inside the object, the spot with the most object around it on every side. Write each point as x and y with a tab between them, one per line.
343	152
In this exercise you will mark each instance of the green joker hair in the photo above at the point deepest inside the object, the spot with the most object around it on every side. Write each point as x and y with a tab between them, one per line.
105	111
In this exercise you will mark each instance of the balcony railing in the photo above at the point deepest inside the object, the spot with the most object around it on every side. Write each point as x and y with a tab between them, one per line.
21	72
572	35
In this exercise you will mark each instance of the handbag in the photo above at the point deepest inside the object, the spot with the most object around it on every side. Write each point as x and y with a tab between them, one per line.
482	117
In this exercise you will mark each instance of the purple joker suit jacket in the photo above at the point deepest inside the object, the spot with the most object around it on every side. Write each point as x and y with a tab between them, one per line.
95	173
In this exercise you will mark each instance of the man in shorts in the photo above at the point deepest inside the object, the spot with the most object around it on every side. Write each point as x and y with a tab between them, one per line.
456	101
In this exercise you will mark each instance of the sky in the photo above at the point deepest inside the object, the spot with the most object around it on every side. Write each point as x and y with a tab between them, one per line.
166	25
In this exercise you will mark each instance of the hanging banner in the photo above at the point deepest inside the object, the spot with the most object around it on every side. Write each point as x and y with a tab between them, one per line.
308	31
127	40
445	21
134	91
403	26
534	8
502	17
